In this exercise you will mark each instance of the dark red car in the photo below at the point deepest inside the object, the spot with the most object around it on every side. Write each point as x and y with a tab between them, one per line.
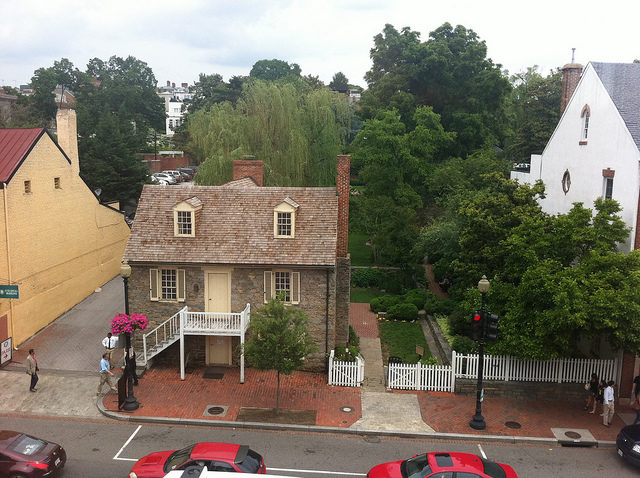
26	456
442	465
215	456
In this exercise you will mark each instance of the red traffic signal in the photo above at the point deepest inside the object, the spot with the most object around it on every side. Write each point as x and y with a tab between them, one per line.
477	325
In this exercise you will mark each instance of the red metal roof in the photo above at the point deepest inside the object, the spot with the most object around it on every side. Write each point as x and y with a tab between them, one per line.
15	144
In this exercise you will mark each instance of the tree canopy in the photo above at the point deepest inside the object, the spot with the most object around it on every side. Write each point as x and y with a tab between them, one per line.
271	70
296	131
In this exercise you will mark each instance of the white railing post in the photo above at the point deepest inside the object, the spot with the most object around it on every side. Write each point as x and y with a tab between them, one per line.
182	314
453	372
144	348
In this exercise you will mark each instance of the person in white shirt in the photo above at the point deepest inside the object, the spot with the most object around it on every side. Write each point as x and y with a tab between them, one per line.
608	404
110	343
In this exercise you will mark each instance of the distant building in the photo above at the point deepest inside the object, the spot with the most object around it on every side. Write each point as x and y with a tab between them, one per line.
6	100
175	98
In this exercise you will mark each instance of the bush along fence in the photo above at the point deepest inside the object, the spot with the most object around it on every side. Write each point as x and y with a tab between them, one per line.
346	374
442	378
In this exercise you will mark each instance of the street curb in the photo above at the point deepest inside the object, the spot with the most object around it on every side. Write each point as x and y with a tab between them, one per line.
507	439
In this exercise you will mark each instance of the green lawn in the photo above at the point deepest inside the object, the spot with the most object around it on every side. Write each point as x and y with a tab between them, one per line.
359	294
400	339
361	254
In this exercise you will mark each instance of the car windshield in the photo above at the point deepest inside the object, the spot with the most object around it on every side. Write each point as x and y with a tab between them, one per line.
493	469
251	463
26	445
416	467
177	458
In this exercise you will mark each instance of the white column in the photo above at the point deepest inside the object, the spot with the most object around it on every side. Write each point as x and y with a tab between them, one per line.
182	312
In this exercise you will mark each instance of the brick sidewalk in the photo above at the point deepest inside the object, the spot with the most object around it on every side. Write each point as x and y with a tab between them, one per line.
161	393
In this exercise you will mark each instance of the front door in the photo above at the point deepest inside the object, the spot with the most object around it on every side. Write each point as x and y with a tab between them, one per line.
218	300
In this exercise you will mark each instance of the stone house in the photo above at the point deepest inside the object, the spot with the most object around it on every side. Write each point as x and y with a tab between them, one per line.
594	152
58	243
203	257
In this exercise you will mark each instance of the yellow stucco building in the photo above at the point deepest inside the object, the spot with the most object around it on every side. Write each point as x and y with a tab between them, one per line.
58	243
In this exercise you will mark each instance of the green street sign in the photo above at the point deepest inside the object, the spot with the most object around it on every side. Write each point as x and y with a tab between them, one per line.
8	291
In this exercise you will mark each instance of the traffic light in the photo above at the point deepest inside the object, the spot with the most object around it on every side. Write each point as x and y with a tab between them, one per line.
476	326
491	333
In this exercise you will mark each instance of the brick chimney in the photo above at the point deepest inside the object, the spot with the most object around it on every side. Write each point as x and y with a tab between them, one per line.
248	167
570	77
342	190
184	85
68	136
168	82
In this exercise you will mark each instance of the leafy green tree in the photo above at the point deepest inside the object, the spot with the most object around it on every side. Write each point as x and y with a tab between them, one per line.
211	89
339	82
271	70
449	72
279	340
296	131
534	112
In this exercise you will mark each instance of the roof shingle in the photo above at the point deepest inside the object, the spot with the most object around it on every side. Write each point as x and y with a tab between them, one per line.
14	146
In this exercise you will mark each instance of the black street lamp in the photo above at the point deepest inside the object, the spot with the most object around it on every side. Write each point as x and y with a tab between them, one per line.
477	422
130	403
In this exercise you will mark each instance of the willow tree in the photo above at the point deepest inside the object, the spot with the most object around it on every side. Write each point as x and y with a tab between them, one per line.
297	132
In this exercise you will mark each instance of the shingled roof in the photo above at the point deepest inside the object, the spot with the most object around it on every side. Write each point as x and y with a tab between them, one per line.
15	144
235	226
622	82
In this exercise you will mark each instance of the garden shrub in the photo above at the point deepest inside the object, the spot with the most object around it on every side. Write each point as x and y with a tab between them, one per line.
384	303
416	297
459	323
340	353
430	360
353	337
440	269
368	277
436	305
463	345
403	311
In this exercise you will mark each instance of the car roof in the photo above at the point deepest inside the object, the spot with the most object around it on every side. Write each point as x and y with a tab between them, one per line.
7	437
221	451
442	461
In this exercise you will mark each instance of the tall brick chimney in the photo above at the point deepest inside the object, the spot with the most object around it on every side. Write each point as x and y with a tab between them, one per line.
570	77
67	131
342	189
248	167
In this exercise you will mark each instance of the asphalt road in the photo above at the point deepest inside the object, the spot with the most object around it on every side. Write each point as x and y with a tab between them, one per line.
100	448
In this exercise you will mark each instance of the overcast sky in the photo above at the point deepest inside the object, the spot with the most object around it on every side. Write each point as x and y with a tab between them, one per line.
181	38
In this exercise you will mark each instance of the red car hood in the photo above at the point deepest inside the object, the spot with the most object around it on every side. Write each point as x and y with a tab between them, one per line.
510	472
385	470
151	465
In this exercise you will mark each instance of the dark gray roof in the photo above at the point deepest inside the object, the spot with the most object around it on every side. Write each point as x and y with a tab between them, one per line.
622	81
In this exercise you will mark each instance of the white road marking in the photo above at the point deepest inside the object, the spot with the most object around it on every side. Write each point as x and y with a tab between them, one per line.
482	451
117	457
318	472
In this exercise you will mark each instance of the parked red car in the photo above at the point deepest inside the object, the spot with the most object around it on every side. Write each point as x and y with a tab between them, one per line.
442	464
26	456
215	456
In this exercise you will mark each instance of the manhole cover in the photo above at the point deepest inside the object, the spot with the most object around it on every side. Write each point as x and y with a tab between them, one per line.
215	410
347	409
514	425
572	435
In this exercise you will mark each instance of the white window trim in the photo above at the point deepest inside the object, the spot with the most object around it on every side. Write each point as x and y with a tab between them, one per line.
184	207
604	187
270	285
287	208
155	285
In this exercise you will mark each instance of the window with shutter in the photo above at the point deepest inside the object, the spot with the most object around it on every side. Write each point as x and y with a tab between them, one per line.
153	284
282	284
268	293
181	289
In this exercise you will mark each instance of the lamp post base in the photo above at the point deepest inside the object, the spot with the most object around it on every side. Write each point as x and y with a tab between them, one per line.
477	422
130	404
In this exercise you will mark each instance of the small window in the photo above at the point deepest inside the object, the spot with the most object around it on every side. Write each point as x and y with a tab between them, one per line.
27	187
282	284
284	224
56	183
185	223
608	188
584	130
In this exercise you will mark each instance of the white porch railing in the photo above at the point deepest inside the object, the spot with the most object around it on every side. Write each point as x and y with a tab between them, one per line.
346	374
442	378
162	336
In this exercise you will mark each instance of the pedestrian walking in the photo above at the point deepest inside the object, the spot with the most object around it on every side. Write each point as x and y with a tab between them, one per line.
105	374
593	392
635	404
110	343
608	404
599	398
32	369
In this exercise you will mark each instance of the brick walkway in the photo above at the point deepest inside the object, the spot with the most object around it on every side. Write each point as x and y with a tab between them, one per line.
448	413
161	393
363	321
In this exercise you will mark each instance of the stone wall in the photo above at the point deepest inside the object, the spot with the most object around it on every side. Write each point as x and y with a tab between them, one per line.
343	289
247	286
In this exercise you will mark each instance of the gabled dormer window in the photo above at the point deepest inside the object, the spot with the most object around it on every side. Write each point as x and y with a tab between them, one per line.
284	218
184	217
584	129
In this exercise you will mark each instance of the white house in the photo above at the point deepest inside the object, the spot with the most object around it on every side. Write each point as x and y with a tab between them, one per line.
174	98
594	151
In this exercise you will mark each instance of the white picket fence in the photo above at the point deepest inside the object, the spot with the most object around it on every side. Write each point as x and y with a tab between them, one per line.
346	374
442	378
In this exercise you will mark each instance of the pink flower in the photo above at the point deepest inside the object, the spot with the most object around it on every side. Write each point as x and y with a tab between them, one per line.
123	323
